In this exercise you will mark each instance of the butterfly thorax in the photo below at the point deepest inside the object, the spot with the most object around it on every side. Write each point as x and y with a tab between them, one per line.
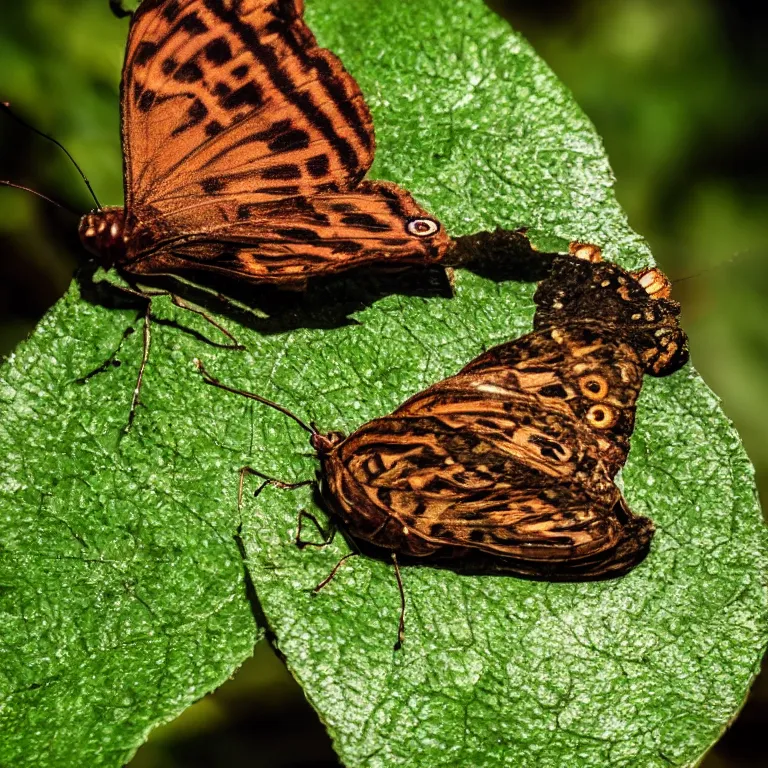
103	233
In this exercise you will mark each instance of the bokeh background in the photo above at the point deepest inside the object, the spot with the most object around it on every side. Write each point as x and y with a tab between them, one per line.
678	91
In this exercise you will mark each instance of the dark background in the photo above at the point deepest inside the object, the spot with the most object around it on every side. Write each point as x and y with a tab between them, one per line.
679	93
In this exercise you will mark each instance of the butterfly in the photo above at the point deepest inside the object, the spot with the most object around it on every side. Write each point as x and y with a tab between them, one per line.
509	465
245	150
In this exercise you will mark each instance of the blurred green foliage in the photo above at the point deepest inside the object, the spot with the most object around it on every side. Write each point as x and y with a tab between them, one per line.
61	65
676	90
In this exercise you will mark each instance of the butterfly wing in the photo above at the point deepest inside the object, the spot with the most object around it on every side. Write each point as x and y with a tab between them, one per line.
229	110
236	95
483	464
288	241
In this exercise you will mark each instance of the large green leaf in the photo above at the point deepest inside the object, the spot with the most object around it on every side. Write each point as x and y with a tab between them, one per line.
123	594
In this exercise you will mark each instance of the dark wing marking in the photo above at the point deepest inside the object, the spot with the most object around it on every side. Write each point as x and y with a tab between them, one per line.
236	95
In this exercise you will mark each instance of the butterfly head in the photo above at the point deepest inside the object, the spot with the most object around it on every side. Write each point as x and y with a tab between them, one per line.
325	443
102	232
633	305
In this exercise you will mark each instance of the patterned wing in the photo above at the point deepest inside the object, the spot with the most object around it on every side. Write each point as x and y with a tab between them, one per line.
230	109
500	461
288	241
236	96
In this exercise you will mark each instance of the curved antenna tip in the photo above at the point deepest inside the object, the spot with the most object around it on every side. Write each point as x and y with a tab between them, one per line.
7	107
116	6
214	382
13	185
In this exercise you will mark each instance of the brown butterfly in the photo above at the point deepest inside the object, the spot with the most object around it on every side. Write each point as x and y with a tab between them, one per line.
245	147
509	466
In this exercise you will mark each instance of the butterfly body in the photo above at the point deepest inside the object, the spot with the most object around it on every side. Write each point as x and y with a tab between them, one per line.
509	465
102	233
246	146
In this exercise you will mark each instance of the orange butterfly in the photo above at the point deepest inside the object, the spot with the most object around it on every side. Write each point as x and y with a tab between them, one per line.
245	147
245	150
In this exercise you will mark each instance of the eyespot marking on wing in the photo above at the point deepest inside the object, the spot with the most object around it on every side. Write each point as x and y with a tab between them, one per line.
602	416
422	227
593	386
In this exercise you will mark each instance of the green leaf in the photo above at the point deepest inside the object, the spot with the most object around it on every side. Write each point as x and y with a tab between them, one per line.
121	586
121	583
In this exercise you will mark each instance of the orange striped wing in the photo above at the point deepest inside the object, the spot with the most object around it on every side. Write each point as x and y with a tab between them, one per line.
242	137
291	240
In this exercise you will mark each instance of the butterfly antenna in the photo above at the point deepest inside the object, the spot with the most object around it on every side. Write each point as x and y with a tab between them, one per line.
40	195
214	382
7	108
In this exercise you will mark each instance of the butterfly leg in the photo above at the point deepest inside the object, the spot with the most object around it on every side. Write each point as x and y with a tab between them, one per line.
145	294
401	624
327	536
148	297
246	471
110	362
179	302
144	357
329	578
